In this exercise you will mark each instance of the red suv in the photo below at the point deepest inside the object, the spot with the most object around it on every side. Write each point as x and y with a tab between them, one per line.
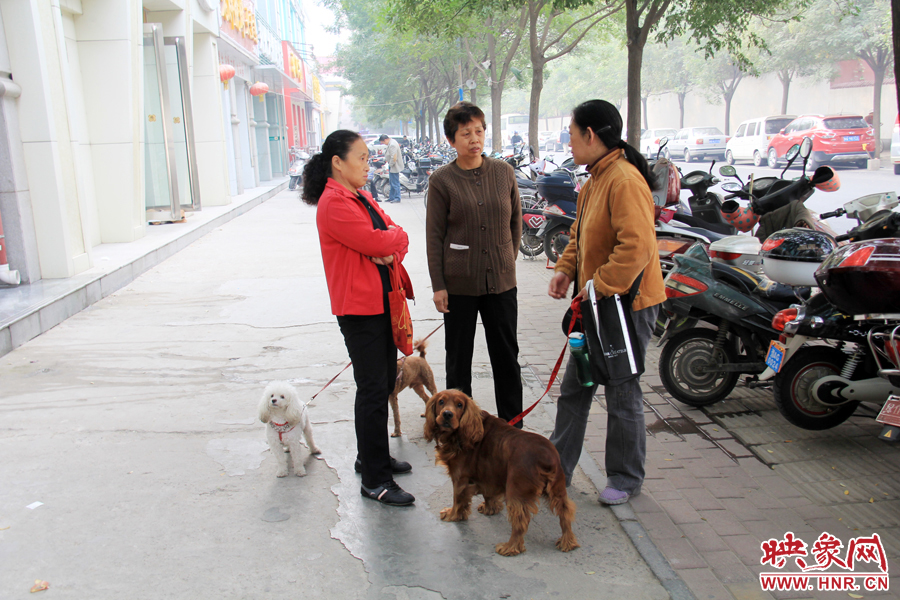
837	139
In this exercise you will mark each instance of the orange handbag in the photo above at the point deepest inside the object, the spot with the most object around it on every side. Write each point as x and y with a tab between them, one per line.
401	323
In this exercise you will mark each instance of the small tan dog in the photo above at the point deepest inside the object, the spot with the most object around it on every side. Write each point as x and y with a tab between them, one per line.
412	372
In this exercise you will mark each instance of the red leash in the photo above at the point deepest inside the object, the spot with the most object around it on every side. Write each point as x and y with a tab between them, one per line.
576	315
351	362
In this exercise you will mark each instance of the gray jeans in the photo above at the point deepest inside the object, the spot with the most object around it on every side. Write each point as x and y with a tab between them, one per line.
626	438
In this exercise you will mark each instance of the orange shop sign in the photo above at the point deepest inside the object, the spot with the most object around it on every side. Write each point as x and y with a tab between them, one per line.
239	23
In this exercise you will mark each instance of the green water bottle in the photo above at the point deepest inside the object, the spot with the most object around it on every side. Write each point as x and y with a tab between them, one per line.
579	350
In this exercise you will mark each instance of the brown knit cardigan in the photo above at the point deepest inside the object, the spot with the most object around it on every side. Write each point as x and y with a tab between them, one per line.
473	227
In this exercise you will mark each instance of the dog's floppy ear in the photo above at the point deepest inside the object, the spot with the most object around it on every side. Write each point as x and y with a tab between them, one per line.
471	426
294	411
430	418
264	407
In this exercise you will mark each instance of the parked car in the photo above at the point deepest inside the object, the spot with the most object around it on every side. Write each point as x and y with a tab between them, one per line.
751	140
650	140
544	139
837	139
696	142
895	146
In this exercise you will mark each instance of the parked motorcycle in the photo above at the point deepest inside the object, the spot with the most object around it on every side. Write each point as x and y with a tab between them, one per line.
819	386
532	220
299	159
701	365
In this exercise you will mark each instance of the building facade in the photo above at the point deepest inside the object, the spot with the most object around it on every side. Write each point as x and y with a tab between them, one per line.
118	113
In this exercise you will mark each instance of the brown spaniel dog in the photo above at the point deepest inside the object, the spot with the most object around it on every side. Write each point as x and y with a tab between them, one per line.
485	455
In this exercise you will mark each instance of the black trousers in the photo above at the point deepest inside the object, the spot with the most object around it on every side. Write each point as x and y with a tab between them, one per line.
370	343
499	315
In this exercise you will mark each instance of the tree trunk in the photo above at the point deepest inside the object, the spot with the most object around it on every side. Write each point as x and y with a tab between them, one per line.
496	95
534	104
681	96
785	76
895	20
644	108
876	111
635	48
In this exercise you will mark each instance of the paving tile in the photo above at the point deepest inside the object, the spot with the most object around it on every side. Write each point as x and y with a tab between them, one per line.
749	590
754	467
683	480
644	503
701	499
680	553
871	515
739	477
761	499
832	492
704	584
746	547
812	511
703	537
724	407
697	416
667	495
658	485
659	526
680	511
737	449
777	486
728	568
723	522
723	488
766	530
743	509
716	432
700	468
807	471
699	442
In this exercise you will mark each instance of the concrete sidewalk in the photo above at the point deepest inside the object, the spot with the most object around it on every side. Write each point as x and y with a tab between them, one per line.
134	464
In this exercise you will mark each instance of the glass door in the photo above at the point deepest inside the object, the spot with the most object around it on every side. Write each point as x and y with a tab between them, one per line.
161	198
171	182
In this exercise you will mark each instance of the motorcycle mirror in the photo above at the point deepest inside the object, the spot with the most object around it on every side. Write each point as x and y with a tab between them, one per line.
662	144
806	147
731	186
727	171
792	152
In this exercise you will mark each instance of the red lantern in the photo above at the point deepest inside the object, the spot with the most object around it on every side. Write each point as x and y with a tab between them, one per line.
259	89
226	72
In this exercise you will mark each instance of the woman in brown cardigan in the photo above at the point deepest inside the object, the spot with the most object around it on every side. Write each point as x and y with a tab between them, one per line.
473	229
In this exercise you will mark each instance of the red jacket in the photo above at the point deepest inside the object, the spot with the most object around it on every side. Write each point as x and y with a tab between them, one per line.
348	240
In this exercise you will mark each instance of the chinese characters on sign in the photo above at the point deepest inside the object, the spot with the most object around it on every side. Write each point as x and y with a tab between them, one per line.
827	552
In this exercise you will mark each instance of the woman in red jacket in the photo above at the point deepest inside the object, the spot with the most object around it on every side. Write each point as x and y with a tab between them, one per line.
358	241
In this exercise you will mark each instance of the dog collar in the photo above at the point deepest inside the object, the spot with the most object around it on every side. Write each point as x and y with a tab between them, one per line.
282	428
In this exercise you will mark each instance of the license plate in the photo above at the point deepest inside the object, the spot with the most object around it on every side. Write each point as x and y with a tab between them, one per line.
890	412
714	141
775	356
851	138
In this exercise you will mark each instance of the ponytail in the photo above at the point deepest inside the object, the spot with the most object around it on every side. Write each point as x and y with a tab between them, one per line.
318	169
605	121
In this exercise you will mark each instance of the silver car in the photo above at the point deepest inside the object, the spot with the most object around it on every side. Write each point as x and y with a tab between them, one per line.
650	141
696	142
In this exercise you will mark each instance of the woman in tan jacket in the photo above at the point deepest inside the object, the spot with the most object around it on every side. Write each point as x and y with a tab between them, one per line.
613	242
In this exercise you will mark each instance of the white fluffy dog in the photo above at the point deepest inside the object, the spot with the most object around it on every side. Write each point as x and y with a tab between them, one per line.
288	424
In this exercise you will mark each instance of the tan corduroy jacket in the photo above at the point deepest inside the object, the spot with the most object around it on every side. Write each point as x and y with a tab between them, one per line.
614	234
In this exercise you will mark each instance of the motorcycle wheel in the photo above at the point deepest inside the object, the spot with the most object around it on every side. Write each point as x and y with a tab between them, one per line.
792	389
293	184
531	245
553	245
680	359
384	188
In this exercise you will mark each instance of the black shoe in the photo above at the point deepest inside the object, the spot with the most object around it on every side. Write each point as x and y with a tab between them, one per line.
388	493
398	467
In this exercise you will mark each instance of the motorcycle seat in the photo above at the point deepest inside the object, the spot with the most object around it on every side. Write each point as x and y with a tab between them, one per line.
712	236
723	228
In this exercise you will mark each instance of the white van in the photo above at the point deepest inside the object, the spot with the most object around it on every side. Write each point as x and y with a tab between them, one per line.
751	140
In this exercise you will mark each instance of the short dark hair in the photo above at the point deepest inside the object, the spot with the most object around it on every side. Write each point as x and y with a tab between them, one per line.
460	114
383	137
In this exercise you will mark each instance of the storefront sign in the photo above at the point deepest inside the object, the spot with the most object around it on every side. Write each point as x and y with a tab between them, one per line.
293	64
239	23
317	90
